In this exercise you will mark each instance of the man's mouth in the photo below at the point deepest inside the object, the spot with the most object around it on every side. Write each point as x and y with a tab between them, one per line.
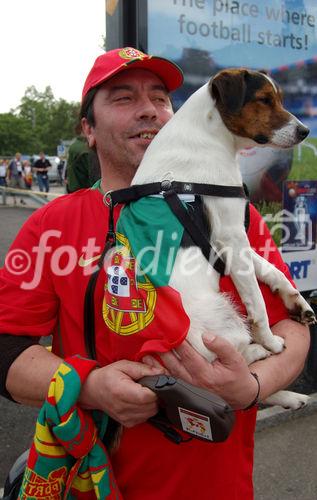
146	135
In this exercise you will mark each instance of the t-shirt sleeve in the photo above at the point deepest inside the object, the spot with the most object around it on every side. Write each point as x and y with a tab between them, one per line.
28	302
261	241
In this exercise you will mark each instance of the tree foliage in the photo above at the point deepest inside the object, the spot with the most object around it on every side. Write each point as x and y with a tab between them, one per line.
38	124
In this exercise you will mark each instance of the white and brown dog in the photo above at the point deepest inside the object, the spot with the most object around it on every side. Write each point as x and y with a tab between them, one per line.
237	108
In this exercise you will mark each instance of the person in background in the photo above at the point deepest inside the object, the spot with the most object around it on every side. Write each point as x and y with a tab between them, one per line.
41	168
60	171
16	176
82	169
3	172
28	177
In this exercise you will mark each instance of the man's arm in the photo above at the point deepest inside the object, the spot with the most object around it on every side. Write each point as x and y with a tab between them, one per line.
229	376
279	371
111	388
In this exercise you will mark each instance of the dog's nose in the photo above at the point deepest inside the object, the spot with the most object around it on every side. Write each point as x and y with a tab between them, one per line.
302	132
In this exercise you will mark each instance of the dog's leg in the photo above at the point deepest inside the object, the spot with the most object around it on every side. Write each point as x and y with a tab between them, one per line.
229	236
243	275
209	311
276	280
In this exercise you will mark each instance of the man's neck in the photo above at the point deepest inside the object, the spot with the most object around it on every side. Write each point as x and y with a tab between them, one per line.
110	183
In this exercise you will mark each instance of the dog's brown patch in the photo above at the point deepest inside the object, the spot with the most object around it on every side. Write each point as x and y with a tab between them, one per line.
249	104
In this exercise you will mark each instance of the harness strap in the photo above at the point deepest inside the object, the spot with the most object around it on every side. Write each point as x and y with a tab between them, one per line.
197	236
89	315
137	191
89	301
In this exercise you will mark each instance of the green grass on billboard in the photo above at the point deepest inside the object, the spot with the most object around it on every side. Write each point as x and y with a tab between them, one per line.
304	165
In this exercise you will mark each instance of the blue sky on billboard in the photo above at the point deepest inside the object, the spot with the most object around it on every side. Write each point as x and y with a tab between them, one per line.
256	33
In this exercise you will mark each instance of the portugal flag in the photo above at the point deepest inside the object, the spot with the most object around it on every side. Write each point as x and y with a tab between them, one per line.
138	301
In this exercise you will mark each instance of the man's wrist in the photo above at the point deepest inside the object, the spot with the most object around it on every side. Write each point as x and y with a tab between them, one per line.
87	398
255	400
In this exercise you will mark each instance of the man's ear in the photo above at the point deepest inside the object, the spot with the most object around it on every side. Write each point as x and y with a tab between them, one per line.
88	131
228	88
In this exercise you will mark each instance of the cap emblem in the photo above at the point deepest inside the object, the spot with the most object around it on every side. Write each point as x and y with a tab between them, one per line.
130	53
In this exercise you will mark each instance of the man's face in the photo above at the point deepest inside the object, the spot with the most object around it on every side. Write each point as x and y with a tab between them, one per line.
129	110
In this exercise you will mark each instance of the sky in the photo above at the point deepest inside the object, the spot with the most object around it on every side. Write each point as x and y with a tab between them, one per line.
48	42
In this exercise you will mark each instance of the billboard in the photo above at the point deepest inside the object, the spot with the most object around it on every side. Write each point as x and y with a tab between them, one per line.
205	36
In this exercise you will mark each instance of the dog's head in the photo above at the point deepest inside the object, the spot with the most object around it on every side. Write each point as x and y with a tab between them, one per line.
250	105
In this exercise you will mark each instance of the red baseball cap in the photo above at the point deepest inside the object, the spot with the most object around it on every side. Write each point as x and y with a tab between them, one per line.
113	62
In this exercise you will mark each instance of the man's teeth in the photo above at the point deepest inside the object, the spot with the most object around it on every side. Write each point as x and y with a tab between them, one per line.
147	135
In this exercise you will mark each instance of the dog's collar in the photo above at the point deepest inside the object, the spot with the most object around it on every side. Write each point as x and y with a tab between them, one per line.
138	191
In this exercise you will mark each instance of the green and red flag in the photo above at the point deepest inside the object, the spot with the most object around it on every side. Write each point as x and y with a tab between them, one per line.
138	301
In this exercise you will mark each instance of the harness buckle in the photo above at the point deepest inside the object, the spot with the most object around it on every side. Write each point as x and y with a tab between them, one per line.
166	185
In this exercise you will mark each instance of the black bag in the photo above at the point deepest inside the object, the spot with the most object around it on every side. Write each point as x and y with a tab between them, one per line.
14	480
197	412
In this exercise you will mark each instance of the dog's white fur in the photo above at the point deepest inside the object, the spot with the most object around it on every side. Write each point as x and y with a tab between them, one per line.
196	146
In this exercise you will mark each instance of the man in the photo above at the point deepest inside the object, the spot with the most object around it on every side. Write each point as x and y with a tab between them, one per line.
122	105
41	168
16	174
82	169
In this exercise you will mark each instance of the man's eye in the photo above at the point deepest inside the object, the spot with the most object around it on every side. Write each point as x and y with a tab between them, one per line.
123	98
160	98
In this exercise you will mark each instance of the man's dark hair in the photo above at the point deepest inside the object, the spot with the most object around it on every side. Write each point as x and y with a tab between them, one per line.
86	109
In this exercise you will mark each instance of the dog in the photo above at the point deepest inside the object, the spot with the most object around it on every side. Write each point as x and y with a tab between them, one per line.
237	108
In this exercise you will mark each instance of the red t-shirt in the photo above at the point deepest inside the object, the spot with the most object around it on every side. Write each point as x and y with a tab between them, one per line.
42	288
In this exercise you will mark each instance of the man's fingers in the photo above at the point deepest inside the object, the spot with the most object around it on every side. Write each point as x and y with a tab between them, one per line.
224	350
175	366
151	361
138	370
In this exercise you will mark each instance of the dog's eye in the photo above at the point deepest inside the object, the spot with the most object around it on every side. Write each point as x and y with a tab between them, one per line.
265	100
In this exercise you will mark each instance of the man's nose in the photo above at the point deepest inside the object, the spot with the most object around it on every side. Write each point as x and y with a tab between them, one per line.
146	109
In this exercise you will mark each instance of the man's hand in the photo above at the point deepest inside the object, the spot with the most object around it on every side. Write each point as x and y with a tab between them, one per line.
228	376
113	390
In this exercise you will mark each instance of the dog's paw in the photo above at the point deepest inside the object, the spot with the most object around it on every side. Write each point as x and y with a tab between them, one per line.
288	400
274	343
254	352
299	309
296	401
306	317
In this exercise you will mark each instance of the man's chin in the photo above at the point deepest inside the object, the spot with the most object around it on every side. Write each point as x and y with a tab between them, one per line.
138	153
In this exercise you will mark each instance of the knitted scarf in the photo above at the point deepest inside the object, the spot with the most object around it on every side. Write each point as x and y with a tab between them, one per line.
67	459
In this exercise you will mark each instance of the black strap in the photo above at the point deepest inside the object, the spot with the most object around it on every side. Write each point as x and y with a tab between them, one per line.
197	236
89	301
89	315
138	191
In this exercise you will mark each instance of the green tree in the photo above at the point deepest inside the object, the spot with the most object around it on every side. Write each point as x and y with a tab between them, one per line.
15	135
39	123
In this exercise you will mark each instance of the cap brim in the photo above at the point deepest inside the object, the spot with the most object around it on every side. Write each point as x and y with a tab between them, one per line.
170	74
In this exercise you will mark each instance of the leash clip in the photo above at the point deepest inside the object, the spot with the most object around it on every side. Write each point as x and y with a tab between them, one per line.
107	199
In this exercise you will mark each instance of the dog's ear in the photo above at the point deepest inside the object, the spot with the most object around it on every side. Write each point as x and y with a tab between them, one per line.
228	88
